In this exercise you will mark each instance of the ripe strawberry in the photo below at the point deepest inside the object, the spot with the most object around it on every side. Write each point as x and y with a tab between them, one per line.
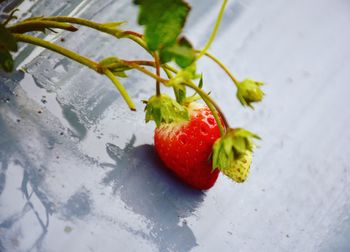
185	147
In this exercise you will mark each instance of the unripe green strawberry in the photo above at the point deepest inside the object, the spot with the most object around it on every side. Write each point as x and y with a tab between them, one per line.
238	169
232	153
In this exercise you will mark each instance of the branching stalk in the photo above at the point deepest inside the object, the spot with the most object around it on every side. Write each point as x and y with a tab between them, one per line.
211	105
59	49
80	59
24	27
222	66
121	89
157	64
215	30
207	99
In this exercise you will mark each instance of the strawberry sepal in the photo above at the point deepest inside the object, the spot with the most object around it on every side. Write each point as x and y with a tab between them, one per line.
164	109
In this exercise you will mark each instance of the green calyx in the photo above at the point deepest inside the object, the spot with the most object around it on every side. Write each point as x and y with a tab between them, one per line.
184	75
164	21
249	91
164	109
232	153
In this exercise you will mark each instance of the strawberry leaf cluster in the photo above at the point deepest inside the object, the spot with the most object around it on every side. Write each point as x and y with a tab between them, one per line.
164	21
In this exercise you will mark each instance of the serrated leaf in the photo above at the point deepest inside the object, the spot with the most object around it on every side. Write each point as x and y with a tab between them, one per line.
163	20
6	61
164	109
182	52
7	41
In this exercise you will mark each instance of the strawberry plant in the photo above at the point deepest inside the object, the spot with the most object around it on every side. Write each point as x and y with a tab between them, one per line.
193	139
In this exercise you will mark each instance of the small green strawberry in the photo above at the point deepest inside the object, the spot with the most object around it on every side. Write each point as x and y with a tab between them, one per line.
232	153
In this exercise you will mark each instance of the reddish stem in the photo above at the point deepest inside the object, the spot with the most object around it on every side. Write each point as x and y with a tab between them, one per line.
133	33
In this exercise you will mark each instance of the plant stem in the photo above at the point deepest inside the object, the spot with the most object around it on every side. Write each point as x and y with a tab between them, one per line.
134	36
59	49
11	16
141	62
156	60
85	22
223	67
145	71
207	99
121	89
37	25
216	27
78	58
167	72
166	66
211	105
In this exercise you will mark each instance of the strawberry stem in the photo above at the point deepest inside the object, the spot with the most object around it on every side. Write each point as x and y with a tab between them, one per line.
78	58
215	30
38	25
121	89
145	71
134	36
81	21
141	62
157	64
223	67
210	103
10	17
207	99
59	49
170	76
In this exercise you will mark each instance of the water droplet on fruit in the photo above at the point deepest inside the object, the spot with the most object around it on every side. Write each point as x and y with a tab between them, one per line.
204	130
211	121
183	139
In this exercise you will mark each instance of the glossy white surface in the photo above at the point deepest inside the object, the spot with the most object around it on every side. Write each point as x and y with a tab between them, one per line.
83	175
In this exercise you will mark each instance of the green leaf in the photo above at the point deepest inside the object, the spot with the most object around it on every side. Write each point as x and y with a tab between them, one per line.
232	153
7	41
164	109
6	61
163	21
182	51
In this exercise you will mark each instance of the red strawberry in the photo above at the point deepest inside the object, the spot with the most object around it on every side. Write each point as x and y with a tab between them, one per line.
185	147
